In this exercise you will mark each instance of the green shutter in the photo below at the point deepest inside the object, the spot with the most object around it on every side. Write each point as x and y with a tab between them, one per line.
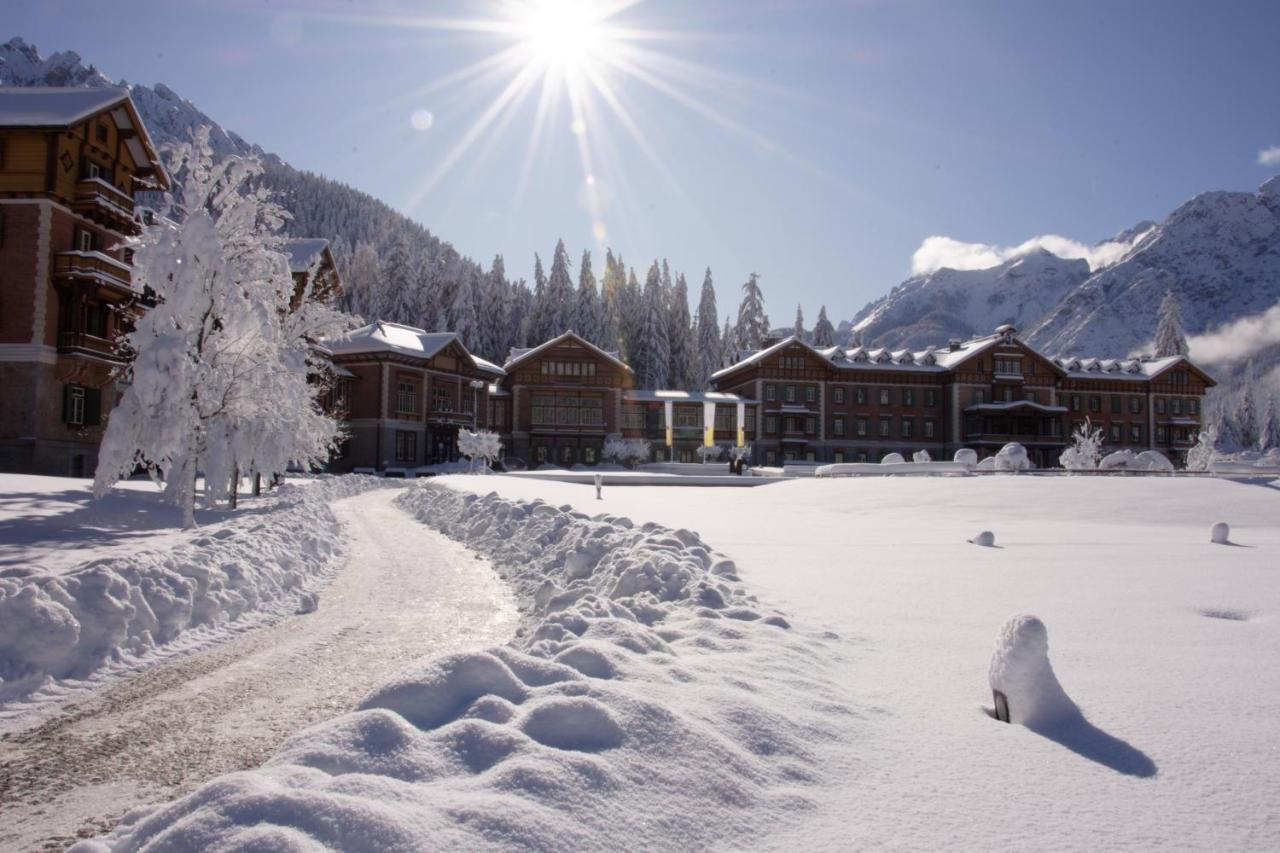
66	404
92	406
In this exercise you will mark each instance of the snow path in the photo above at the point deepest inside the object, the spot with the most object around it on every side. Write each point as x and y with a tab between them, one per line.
406	592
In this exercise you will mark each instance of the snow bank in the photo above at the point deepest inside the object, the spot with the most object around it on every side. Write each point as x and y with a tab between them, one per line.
881	469
69	625
648	701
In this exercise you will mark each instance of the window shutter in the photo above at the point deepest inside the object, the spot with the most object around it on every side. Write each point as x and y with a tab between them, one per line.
92	406
66	404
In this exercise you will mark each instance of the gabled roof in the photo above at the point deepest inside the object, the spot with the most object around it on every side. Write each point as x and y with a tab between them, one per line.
1140	369
405	340
303	251
762	354
61	107
519	355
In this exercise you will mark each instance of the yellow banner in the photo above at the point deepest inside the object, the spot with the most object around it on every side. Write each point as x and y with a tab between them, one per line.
709	437
742	437
669	437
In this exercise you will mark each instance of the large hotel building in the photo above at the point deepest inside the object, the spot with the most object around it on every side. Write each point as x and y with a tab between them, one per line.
72	159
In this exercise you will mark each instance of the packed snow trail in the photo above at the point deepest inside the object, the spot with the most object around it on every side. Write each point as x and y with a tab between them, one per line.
405	593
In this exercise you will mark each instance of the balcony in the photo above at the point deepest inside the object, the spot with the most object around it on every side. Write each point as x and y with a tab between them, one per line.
83	343
103	203
93	266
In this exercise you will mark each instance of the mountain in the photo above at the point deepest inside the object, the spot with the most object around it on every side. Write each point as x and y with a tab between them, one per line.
321	207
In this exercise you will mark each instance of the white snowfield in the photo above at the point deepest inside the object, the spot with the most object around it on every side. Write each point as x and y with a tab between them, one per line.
649	702
111	611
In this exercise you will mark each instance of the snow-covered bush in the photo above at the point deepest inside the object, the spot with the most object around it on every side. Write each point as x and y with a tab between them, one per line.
1012	457
740	454
1152	460
988	464
966	456
484	445
892	459
1118	460
1203	452
626	451
220	378
921	456
1085	450
714	453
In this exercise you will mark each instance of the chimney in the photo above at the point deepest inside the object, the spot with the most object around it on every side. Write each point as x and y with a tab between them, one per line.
953	344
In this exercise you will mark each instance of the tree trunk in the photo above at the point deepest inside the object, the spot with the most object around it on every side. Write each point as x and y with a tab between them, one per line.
235	487
257	483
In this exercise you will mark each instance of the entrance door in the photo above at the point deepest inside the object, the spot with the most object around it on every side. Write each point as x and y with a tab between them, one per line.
441	447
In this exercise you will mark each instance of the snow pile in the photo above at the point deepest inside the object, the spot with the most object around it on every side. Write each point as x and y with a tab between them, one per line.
881	469
1012	457
1220	534
1020	669
966	457
1118	460
69	625
647	697
892	459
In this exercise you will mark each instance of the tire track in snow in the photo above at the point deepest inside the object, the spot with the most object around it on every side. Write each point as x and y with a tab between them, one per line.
405	592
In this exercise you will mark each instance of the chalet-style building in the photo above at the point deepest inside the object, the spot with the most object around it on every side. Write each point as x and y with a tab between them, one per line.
405	394
854	404
70	163
312	256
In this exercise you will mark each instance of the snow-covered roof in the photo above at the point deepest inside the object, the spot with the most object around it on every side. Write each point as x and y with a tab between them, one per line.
646	396
1015	404
1139	369
303	251
406	340
49	106
519	354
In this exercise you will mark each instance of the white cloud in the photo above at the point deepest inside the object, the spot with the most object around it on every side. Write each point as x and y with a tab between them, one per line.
1269	156
938	252
1239	339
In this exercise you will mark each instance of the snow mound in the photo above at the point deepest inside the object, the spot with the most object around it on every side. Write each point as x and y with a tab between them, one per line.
1152	460
646	697
1020	669
1118	460
1012	457
986	539
967	457
1220	534
892	459
112	611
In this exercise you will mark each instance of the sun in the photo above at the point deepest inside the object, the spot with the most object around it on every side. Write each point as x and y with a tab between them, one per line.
563	34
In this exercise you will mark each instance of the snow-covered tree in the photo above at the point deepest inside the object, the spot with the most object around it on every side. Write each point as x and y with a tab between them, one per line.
1222	418
364	282
1269	433
540	320
611	287
589	310
1247	409
625	451
490	314
798	328
1086	448
708	332
824	334
219	381
401	302
633	319
683	360
480	445
1203	451
728	344
654	348
559	293
1171	338
462	312
753	323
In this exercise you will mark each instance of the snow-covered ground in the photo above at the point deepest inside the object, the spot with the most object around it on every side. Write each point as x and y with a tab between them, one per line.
656	698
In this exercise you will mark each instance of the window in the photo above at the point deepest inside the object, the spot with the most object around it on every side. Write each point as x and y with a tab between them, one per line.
689	417
771	393
406	446
789	393
810	394
1177	405
1159	405
406	398
1029	395
100	133
810	456
1007	394
886	427
792	362
1193	406
1075	402
811	425
771	424
908	427
499	417
726	418
931	398
751	421
1162	435
569	368
860	426
1116	405
442	400
1095	403
837	396
95	320
1008	366
1180	377
979	396
591	411
1115	432
1135	434
1135	405
860	395
566	411
837	457
91	170
633	418
589	455
544	409
908	397
85	240
884	396
73	404
837	426
930	429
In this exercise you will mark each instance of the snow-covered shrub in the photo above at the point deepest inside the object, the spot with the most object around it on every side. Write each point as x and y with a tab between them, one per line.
742	454
626	451
714	453
1085	450
966	456
892	459
484	445
1118	460
1020	669
1203	452
921	456
1152	460
1012	457
988	464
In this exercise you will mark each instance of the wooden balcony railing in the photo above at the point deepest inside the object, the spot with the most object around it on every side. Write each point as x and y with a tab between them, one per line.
94	265
100	201
69	342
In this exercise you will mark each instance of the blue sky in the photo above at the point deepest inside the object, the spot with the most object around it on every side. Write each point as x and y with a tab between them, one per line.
817	144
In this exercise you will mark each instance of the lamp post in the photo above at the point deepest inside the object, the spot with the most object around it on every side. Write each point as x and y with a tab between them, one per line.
476	385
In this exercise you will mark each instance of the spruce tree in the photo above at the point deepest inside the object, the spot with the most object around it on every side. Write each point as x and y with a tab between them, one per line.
1269	434
654	346
798	329
491	313
824	334
1247	409
632	319
611	303
589	312
560	297
540	320
462	312
682	361
1171	338
753	323
431	314
729	349
709	352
